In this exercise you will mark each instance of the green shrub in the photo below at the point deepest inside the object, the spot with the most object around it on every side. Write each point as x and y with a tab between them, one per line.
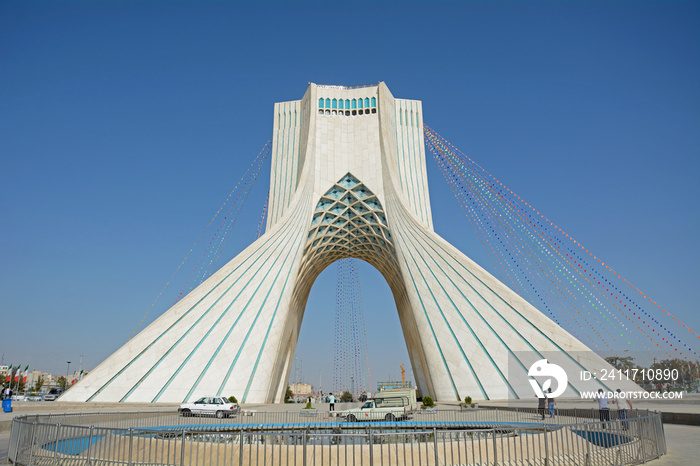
468	400
308	405
232	399
428	401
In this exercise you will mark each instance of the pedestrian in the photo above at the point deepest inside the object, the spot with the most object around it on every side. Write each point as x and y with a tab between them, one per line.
541	402
551	402
622	407
331	400
603	410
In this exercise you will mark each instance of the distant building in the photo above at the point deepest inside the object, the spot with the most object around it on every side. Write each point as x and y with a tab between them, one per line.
302	392
301	388
394	384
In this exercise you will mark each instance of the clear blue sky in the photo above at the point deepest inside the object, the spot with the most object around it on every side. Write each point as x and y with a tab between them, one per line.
124	125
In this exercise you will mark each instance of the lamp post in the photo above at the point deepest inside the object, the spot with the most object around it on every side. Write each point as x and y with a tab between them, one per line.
67	372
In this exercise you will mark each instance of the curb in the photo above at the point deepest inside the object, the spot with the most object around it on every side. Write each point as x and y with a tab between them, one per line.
688	419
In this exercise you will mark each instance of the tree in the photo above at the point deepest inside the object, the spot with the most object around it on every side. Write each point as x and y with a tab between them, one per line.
38	384
683	374
62	382
346	396
621	363
288	395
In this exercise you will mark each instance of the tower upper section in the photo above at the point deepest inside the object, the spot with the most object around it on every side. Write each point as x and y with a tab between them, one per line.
363	130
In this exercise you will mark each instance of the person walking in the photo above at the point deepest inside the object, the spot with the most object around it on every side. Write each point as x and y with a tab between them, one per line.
622	407
551	402
331	400
603	410
541	404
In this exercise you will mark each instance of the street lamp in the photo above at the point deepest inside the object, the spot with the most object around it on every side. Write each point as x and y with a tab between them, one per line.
67	372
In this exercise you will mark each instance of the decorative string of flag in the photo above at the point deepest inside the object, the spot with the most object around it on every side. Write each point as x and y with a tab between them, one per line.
263	217
238	197
351	370
224	220
552	270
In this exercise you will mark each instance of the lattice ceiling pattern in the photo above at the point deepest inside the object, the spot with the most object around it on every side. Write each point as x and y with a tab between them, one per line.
349	221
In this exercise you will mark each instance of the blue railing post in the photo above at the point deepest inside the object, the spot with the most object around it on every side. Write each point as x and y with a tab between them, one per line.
182	448
435	445
303	446
55	444
131	444
92	428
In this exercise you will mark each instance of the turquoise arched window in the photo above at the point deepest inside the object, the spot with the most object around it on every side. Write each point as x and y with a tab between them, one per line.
400	118
367	102
335	103
354	104
374	101
411	117
359	103
340	104
320	102
328	103
347	104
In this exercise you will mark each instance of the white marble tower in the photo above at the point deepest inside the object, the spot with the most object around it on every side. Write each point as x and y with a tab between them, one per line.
348	179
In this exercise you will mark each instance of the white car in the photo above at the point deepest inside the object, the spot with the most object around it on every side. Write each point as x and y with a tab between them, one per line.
53	394
209	406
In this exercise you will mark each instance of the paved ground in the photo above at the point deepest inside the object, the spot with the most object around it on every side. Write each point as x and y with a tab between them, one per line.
682	441
690	403
4	445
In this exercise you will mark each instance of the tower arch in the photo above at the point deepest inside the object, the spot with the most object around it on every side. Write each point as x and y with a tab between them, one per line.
349	221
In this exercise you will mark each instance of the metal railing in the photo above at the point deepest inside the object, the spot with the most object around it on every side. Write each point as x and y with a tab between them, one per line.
156	438
246	417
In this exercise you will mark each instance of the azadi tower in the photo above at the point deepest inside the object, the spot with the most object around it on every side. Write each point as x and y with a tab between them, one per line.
348	180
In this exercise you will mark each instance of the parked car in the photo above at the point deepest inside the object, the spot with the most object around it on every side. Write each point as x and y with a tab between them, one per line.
53	394
209	406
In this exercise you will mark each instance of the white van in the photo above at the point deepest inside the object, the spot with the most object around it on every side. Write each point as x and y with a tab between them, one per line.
388	405
407	394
